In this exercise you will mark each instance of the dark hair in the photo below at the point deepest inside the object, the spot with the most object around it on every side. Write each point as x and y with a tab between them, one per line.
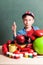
24	15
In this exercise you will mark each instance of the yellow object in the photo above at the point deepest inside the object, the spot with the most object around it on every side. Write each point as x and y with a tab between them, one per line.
22	46
12	48
26	55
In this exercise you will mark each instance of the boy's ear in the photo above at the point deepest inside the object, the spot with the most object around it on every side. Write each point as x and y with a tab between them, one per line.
33	20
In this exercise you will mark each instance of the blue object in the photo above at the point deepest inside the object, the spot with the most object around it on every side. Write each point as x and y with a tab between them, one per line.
23	32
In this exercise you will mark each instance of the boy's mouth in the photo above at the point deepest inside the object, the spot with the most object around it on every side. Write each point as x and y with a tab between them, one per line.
27	25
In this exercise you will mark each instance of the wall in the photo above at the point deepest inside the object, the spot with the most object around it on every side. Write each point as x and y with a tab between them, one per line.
12	10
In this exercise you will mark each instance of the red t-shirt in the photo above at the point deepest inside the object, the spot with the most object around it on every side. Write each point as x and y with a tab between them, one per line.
31	34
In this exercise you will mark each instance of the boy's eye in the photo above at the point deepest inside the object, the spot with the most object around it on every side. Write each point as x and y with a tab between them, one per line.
29	19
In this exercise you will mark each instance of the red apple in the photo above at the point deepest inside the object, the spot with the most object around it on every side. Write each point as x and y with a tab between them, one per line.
25	49
38	32
17	52
4	48
20	39
29	45
30	50
9	42
32	37
15	41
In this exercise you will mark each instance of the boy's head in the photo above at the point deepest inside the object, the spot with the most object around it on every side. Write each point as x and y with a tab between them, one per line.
28	18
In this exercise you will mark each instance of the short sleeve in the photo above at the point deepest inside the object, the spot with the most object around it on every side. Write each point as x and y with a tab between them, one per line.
35	27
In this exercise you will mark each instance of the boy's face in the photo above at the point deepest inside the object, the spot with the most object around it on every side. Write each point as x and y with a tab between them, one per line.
28	21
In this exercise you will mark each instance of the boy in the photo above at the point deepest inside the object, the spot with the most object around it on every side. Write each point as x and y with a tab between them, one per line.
28	20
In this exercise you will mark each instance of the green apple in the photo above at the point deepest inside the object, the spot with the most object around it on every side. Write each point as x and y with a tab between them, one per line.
38	45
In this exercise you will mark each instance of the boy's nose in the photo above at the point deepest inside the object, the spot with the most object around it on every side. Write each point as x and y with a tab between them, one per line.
27	22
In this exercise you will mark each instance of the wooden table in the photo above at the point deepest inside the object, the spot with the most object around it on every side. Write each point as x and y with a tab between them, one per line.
22	61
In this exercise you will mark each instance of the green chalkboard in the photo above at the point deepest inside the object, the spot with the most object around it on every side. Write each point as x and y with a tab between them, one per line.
12	10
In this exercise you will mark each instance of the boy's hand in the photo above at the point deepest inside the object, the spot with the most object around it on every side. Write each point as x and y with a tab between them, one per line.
14	28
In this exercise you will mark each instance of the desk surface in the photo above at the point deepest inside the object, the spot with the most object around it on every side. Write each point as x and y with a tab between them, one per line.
24	61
